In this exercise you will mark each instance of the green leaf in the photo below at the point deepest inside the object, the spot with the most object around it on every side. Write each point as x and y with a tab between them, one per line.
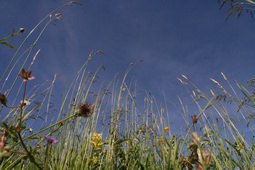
6	44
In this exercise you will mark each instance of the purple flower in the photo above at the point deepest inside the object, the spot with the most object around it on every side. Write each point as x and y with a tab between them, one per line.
150	114
51	140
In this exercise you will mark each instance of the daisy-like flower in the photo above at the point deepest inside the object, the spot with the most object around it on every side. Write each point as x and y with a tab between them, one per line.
3	99
86	110
96	141
51	140
26	75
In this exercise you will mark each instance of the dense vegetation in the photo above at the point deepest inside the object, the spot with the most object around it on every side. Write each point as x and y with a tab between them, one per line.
105	127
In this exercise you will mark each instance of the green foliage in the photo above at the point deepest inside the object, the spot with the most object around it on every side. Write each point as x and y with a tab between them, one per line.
3	40
113	132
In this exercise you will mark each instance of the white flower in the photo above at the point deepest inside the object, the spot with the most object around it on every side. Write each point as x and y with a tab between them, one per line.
25	102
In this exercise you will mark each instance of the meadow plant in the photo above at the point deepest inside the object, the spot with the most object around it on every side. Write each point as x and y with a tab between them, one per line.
107	127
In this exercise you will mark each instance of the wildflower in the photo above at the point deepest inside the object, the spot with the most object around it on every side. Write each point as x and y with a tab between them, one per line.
86	110
239	145
24	103
94	159
96	141
18	129
3	99
166	129
38	146
194	119
21	29
51	140
26	75
2	140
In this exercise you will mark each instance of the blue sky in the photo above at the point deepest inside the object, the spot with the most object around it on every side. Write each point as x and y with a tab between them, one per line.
171	37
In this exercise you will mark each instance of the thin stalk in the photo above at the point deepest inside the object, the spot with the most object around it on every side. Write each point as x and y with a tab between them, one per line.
31	157
22	104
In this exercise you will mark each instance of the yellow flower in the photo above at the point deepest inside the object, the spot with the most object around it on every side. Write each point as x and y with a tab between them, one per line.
166	129
96	141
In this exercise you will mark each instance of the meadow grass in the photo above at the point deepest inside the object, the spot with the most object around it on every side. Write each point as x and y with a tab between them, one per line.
108	127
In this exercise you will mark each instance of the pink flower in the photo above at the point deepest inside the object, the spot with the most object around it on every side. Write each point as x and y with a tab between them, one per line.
26	75
51	140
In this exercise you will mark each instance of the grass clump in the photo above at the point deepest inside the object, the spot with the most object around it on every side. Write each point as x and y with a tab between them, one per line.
109	128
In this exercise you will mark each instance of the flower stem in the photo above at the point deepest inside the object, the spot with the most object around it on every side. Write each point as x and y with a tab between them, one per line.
31	157
46	155
22	104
